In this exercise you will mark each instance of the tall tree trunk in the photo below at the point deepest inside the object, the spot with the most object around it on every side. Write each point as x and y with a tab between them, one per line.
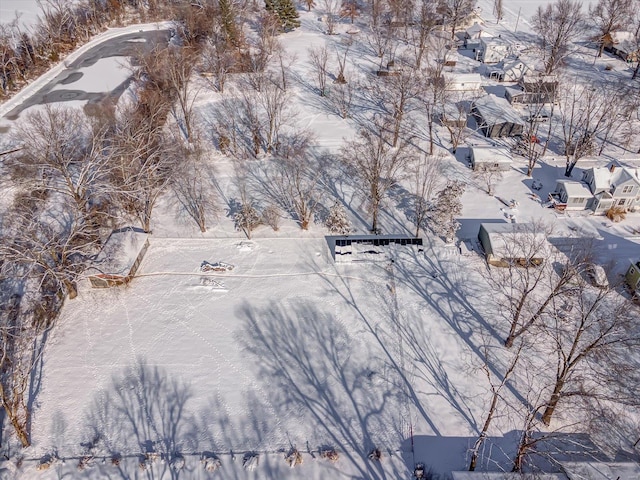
553	402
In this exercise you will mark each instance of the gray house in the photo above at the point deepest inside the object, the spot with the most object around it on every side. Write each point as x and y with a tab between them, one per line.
496	117
572	195
614	186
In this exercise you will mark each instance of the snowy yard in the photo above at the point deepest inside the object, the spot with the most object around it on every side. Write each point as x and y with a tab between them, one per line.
294	351
287	350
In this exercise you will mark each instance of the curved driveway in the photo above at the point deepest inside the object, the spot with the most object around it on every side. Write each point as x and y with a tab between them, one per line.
121	46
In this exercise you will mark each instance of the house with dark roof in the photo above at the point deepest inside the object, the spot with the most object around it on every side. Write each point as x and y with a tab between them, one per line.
496	117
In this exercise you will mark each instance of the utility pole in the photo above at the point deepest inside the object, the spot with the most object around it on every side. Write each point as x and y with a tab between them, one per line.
517	20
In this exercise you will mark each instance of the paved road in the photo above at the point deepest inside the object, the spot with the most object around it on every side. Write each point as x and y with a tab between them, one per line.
122	46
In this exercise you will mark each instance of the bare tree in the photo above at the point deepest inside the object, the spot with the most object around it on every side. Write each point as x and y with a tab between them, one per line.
144	162
192	185
454	12
426	175
375	163
349	9
496	396
610	16
488	176
331	14
558	24
296	177
587	113
434	96
421	32
61	154
318	57
218	60
498	9
275	105
583	336
456	120
398	93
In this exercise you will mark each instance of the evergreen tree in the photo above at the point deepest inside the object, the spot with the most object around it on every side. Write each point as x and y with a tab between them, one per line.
446	208
337	222
286	13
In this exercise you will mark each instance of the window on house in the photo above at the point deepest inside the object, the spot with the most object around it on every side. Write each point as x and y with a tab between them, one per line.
621	202
578	200
627	189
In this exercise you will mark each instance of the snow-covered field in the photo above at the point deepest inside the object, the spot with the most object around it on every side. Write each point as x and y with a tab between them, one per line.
289	349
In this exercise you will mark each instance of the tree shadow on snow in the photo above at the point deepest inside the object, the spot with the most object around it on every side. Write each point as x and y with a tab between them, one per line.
318	374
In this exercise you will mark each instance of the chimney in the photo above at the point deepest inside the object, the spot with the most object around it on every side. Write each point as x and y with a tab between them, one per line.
612	168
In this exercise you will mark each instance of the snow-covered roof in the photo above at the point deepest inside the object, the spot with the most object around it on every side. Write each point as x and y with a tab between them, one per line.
514	240
604	178
495	110
495	42
515	64
120	251
488	154
622	36
506	476
474	30
601	470
574	189
462	81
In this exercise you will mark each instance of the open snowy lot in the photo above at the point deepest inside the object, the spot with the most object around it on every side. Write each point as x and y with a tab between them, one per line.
287	349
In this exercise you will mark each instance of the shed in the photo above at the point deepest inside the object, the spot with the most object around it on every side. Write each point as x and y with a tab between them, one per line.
575	195
120	257
496	117
506	244
490	158
492	49
463	82
632	277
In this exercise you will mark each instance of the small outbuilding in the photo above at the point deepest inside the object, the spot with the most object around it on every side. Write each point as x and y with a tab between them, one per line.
369	248
490	158
508	244
496	117
120	257
462	82
573	195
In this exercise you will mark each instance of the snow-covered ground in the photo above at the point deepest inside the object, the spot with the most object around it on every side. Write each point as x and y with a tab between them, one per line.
290	349
27	11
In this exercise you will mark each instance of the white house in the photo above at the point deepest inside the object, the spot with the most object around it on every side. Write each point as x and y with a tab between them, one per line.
492	49
490	158
511	71
615	186
574	195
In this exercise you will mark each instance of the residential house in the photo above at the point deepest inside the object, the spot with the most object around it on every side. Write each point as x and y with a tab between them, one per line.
510	71
623	44
496	117
613	186
120	257
472	35
633	277
572	195
533	89
507	244
492	50
490	158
